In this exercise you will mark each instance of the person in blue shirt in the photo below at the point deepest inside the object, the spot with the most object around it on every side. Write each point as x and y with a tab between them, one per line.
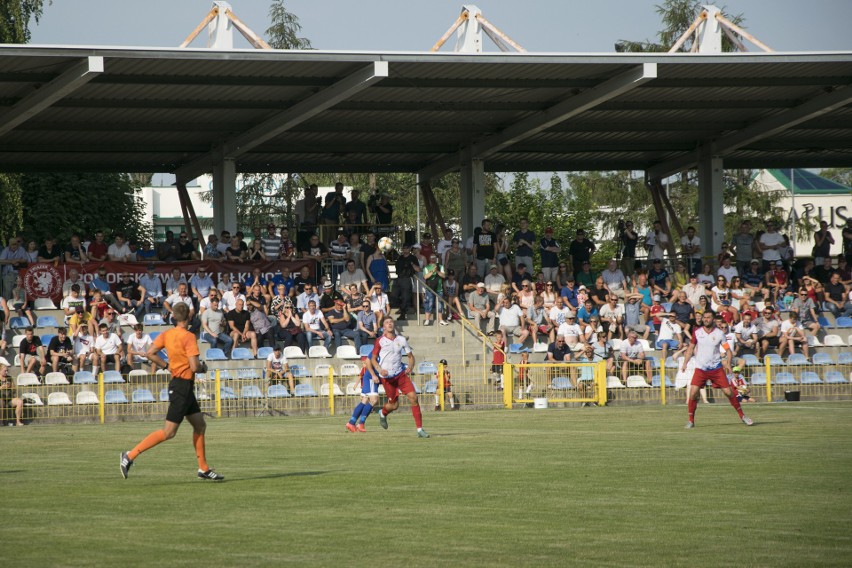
369	398
569	292
586	312
282	277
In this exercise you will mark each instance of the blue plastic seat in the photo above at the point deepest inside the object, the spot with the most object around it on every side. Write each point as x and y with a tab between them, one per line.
561	383
587	374
655	362
142	395
431	386
154	334
153	319
46	321
823	359
366	350
84	378
845	358
518	348
655	382
797	359
810	378
115	396
46	339
835	378
672	364
299	371
667	306
303	390
251	391
113	377
227	393
224	375
784	379
264	352
241	354
823	321
18	322
751	360
164	395
427	368
277	391
758	379
843	322
215	354
775	360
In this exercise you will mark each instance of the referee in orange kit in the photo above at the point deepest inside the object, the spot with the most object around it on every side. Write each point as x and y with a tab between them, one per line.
182	351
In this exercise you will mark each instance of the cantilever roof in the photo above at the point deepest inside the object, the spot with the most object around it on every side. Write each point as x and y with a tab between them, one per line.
167	110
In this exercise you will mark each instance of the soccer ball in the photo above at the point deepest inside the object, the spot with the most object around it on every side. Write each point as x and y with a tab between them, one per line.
385	244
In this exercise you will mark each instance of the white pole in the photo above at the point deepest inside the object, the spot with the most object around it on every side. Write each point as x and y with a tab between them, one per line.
417	196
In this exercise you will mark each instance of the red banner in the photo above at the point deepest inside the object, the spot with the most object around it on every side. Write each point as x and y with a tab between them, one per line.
45	280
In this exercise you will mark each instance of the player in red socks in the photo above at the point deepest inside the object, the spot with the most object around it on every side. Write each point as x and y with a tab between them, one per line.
387	362
708	342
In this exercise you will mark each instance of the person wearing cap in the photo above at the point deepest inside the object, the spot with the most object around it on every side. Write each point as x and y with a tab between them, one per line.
328	298
80	319
277	368
658	279
7	394
571	331
549	250
518	278
494	282
427	249
479	304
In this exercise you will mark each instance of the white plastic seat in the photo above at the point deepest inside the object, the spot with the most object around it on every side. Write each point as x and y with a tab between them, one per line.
44	304
318	352
293	352
540	347
636	381
55	379
27	380
324	390
58	399
31	399
322	370
646	345
16	340
350	370
87	397
138	373
352	388
616	344
612	382
833	341
347	352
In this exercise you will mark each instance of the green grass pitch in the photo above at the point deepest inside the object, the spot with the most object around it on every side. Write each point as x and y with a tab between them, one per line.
556	487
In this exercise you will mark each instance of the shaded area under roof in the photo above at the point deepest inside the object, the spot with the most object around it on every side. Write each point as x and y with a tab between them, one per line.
156	110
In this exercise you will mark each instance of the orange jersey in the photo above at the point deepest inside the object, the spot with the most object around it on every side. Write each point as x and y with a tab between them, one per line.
180	345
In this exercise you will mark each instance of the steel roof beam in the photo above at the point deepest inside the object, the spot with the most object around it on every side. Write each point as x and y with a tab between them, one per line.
283	121
67	82
552	116
764	128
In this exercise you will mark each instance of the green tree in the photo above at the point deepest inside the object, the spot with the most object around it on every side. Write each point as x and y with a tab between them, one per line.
11	214
283	32
840	175
15	17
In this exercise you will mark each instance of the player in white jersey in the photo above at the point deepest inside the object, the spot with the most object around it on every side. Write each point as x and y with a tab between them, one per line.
709	365
387	363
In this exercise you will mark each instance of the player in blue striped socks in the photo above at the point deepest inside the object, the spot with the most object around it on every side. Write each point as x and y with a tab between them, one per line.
369	398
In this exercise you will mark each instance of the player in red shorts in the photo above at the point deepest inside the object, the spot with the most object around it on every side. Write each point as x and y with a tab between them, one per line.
387	362
709	366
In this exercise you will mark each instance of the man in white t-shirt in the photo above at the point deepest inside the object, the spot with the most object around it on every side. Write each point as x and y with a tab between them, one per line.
316	325
558	315
512	321
108	346
669	335
746	333
612	315
690	246
770	244
614	280
727	270
277	368
632	355
656	242
229	298
570	331
137	347
792	334
119	251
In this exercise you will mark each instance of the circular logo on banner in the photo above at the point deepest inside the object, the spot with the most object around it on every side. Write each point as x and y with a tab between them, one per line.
43	280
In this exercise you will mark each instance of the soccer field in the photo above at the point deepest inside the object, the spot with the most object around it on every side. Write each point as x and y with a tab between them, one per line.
591	486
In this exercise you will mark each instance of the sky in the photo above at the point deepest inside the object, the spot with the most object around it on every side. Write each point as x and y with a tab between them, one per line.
415	25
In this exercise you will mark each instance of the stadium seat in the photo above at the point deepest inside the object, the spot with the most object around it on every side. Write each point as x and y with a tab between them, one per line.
758	379
31	399
18	322
44	304
115	396
672	364
637	381
612	382
293	352
322	370
616	344
751	360
264	352
318	352
353	388
299	371
154	335
241	354
55	378
381	390
224	375
775	360
366	351
58	399
540	347
164	395
46	321
810	378
138	373
251	391
350	370
587	374
46	339
142	395
163	371
427	368
215	354
823	359
646	345
227	393
347	352
667	306
655	381
277	391
304	390
797	359
16	340
850	339
324	390
27	380
845	358
87	397
249	373
758	306
561	383
784	379
518	348
431	386
813	341
153	319
835	378
833	341
113	377
843	322
823	322
655	362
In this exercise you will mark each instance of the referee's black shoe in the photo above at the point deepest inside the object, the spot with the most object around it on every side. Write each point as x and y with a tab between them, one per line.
211	475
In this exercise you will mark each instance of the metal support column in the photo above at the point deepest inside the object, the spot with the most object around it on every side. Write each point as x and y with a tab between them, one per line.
472	195
711	211
225	196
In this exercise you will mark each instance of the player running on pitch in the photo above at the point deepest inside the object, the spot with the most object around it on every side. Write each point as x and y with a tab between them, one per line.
709	365
182	351
369	398
387	362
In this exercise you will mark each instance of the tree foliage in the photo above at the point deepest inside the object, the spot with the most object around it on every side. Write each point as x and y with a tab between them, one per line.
840	175
60	205
283	32
15	16
11	213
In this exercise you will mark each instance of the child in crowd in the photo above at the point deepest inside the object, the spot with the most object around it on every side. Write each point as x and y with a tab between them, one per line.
738	382
497	360
523	376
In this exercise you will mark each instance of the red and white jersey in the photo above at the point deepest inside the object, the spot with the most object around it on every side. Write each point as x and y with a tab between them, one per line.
390	352
708	348
737	381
